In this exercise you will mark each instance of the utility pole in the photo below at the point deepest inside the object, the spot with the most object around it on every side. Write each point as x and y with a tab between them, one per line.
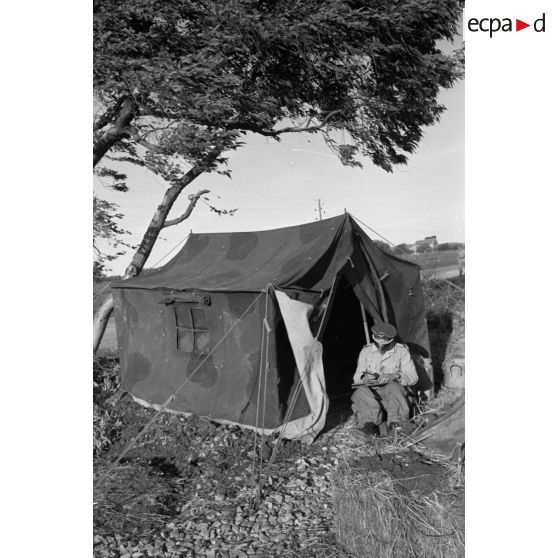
319	208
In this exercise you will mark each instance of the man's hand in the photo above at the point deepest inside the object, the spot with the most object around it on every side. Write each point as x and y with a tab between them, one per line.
386	378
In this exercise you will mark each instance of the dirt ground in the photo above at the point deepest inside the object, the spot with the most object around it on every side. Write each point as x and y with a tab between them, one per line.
412	470
192	487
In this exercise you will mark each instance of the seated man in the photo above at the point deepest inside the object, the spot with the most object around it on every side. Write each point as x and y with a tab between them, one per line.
388	365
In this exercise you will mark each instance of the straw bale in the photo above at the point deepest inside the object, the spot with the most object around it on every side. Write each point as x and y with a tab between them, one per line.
376	518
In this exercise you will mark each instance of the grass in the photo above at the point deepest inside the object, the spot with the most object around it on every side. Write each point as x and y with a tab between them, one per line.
445	316
392	499
376	518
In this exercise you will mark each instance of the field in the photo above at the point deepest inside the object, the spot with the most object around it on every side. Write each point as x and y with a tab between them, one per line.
190	487
431	260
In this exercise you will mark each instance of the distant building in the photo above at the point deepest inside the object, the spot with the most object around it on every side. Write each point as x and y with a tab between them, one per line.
429	243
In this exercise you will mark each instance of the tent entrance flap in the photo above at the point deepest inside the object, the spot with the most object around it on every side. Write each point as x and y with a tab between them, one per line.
308	356
343	339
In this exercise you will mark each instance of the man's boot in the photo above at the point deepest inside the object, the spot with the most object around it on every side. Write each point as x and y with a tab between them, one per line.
367	430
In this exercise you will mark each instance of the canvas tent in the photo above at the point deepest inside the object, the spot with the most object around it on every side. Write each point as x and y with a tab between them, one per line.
447	434
257	328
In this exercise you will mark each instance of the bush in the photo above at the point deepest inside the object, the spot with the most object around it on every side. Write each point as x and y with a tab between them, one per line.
444	246
107	423
384	246
445	315
402	249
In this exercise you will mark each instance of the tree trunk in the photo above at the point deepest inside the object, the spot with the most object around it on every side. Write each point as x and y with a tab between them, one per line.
119	130
102	316
158	221
100	321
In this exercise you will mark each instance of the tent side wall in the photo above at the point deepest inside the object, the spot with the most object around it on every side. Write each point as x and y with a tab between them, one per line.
227	384
403	293
406	305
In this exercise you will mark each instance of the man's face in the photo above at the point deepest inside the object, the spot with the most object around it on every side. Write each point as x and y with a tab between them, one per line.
381	340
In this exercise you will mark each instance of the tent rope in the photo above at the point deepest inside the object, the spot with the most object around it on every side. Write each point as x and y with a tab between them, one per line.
392	244
173	396
266	368
266	373
171	250
264	365
329	299
255	443
286	421
100	291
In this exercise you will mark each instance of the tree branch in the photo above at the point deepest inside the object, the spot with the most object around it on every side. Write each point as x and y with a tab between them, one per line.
119	130
193	201
134	134
162	211
108	115
289	129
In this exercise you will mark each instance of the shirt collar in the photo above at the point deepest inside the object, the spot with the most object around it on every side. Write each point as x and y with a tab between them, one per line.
377	350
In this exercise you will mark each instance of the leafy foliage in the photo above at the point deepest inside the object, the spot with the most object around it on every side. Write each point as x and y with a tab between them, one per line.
217	210
107	424
445	246
117	180
98	270
402	249
107	229
203	73
384	246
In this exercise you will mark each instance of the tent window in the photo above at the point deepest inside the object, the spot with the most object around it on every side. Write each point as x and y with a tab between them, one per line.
192	331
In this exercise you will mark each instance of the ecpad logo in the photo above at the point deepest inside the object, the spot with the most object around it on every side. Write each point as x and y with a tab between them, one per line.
494	24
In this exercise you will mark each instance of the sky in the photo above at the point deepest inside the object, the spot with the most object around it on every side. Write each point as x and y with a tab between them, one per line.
278	184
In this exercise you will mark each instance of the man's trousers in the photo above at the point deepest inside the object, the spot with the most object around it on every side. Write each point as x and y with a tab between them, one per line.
389	402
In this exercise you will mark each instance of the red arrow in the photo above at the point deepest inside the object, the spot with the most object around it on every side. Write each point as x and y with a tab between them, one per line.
519	25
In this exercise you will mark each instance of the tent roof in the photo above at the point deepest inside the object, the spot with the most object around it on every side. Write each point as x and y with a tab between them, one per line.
306	256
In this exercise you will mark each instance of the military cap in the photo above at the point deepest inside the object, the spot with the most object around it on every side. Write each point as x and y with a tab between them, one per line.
385	329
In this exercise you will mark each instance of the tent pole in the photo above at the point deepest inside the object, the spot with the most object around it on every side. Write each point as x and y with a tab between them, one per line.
365	323
327	310
379	286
